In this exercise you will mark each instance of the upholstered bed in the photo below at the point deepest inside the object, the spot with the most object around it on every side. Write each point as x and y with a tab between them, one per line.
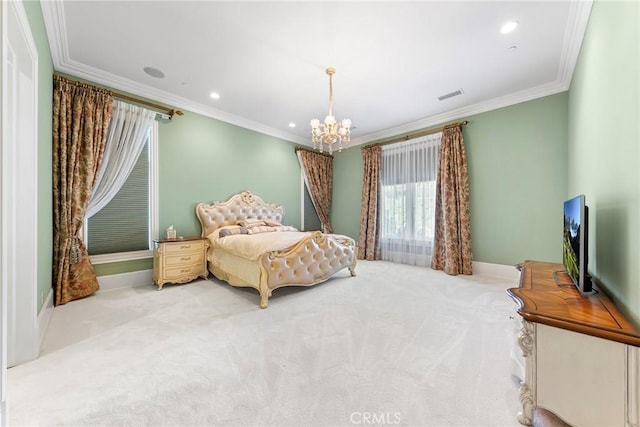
250	247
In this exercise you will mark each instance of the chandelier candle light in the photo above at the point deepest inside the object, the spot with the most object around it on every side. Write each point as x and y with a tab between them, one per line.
331	131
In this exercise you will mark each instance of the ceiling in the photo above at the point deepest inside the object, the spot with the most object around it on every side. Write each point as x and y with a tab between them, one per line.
267	59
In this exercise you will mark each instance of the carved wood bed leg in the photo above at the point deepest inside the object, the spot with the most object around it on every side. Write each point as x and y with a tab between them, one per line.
352	267
265	293
264	300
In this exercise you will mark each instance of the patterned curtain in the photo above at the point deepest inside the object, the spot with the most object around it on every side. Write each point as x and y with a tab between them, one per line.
81	115
318	174
452	245
369	239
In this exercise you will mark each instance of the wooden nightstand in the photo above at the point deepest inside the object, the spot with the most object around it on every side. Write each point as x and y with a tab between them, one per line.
179	260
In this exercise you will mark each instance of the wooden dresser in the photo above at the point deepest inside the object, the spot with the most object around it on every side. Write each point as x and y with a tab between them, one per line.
580	355
179	260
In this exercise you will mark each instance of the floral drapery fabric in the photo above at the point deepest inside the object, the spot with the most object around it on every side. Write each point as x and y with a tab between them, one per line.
81	115
318	173
369	237
452	245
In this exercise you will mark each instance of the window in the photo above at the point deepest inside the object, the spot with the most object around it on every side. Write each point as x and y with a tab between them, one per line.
123	229
407	200
310	220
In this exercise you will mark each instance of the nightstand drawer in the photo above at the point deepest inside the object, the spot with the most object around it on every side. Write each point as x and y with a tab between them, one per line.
183	247
182	273
184	259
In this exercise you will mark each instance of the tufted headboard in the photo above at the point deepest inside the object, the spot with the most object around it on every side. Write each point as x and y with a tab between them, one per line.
241	206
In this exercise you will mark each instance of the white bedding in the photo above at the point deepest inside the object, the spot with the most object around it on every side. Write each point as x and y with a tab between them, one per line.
251	246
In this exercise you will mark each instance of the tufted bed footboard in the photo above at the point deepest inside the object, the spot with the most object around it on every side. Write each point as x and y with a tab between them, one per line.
312	260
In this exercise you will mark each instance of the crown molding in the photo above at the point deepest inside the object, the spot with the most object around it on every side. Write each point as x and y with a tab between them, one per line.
579	12
54	23
138	89
463	112
578	17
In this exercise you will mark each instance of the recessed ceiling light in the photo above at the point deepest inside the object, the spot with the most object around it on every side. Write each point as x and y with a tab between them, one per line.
292	125
508	27
214	95
154	72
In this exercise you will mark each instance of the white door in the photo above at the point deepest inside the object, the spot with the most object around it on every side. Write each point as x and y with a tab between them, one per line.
18	191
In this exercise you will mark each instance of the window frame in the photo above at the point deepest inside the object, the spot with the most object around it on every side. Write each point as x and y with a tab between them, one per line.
153	210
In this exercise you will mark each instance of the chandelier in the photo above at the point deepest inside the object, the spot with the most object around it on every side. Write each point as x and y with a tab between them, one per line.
330	132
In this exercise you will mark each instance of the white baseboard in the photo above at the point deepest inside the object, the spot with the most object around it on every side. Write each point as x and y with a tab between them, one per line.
508	272
44	317
126	280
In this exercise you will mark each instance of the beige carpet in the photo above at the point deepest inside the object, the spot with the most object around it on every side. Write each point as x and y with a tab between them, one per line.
396	345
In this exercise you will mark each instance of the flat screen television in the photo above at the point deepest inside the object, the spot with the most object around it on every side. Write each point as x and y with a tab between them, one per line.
575	242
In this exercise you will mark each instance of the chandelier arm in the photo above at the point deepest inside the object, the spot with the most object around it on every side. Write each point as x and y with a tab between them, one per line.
331	94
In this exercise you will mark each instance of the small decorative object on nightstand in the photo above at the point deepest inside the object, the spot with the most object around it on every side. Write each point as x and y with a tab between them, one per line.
179	260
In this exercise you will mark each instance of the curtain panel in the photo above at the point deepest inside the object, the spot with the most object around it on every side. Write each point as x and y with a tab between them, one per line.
81	116
452	245
126	137
407	200
369	237
318	175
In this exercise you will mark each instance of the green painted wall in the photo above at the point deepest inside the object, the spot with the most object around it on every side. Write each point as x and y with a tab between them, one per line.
517	170
604	141
45	150
347	192
123	267
206	160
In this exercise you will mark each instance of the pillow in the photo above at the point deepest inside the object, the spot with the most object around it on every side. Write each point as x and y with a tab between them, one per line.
251	222
232	230
268	229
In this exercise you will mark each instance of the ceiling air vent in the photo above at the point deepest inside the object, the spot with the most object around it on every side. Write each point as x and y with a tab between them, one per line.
450	95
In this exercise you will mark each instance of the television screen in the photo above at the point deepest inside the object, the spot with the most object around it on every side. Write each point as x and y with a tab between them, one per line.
574	247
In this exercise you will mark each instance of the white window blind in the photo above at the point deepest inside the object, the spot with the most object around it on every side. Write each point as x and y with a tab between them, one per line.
123	225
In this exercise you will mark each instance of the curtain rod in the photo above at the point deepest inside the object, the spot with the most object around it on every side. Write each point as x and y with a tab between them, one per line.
169	111
301	148
417	134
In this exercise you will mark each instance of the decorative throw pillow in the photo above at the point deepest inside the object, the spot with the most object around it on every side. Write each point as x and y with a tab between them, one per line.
250	222
232	230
